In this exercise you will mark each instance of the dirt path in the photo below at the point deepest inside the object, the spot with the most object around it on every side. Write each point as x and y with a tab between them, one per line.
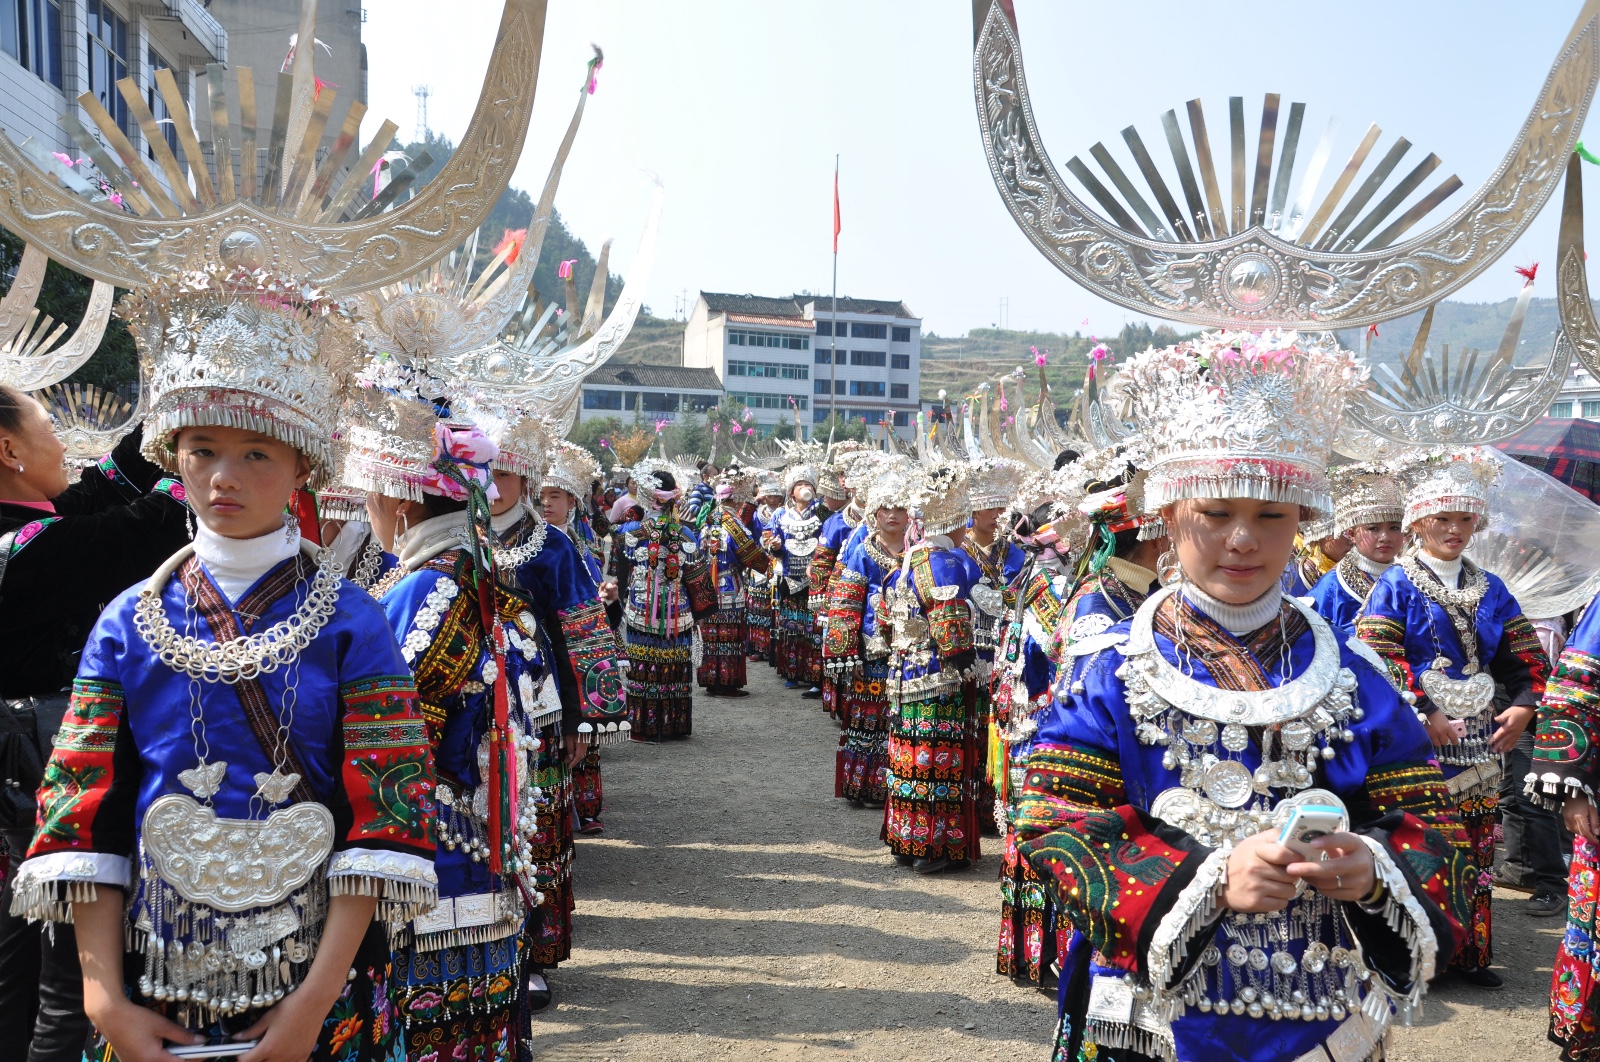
734	910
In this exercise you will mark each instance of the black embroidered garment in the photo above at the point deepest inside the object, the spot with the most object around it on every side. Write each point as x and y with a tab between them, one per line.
110	530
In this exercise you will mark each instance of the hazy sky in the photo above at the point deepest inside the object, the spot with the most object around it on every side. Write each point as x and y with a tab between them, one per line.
740	106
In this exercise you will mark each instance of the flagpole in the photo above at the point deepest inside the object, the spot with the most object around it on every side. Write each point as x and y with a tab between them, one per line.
833	354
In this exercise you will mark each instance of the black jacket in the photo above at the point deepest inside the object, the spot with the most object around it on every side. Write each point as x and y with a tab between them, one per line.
110	530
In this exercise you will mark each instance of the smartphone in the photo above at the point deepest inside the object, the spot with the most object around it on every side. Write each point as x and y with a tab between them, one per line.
1308	822
214	1048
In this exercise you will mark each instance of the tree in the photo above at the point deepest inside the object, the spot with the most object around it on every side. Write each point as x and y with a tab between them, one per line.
842	428
689	435
588	433
784	429
64	296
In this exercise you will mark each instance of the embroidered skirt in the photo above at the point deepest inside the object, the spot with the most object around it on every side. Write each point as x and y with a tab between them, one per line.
660	684
363	1026
863	759
587	791
1028	932
464	1002
551	843
1477	815
929	771
722	642
758	620
1574	1021
796	649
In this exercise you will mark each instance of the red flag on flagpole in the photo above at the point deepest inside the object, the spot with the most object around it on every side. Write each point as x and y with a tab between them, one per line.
835	206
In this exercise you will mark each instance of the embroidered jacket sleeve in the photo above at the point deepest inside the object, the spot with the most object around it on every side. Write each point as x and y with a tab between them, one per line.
1382	625
1568	728
698	585
847	602
1519	662
583	645
745	546
383	810
944	583
1113	870
118	478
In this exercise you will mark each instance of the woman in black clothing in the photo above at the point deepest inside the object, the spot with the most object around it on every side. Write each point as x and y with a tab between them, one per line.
66	549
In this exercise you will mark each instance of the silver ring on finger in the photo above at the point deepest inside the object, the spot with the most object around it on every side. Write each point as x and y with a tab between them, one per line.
1338	882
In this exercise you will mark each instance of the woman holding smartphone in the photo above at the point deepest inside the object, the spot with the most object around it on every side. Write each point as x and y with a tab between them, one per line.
1161	779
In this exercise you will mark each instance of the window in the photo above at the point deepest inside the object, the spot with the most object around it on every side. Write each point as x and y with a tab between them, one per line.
700	403
823	356
30	32
1563	410
771	370
900	334
158	106
900	361
858	330
874	358
108	59
594	399
819	387
782	340
657	402
755	401
902	419
899	390
867	388
1591	411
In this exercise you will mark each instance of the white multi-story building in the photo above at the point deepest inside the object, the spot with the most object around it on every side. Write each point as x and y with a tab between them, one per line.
54	51
646	393
789	358
1579	396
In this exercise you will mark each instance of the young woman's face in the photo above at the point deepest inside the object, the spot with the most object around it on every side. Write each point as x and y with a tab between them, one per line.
34	454
239	482
510	487
892	521
983	520
1378	542
1234	549
1445	535
557	504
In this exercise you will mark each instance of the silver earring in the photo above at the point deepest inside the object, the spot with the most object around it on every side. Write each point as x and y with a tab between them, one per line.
291	528
20	469
1168	570
190	521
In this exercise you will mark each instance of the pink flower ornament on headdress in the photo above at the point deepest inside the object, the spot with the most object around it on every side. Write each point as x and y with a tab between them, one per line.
469	451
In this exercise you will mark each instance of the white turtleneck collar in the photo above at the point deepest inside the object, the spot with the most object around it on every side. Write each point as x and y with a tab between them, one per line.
1370	566
235	564
1449	572
510	518
424	541
1237	619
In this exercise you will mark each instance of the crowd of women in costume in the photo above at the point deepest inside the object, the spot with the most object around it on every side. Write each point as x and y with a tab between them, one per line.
1134	668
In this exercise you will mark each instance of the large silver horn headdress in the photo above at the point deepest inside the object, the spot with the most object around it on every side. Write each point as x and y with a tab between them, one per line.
1260	259
1281	252
294	217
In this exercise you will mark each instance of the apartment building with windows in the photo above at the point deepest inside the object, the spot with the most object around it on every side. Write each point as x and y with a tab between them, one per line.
789	358
648	393
53	51
1579	395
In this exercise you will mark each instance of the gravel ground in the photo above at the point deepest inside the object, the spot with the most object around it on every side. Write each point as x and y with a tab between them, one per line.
733	909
